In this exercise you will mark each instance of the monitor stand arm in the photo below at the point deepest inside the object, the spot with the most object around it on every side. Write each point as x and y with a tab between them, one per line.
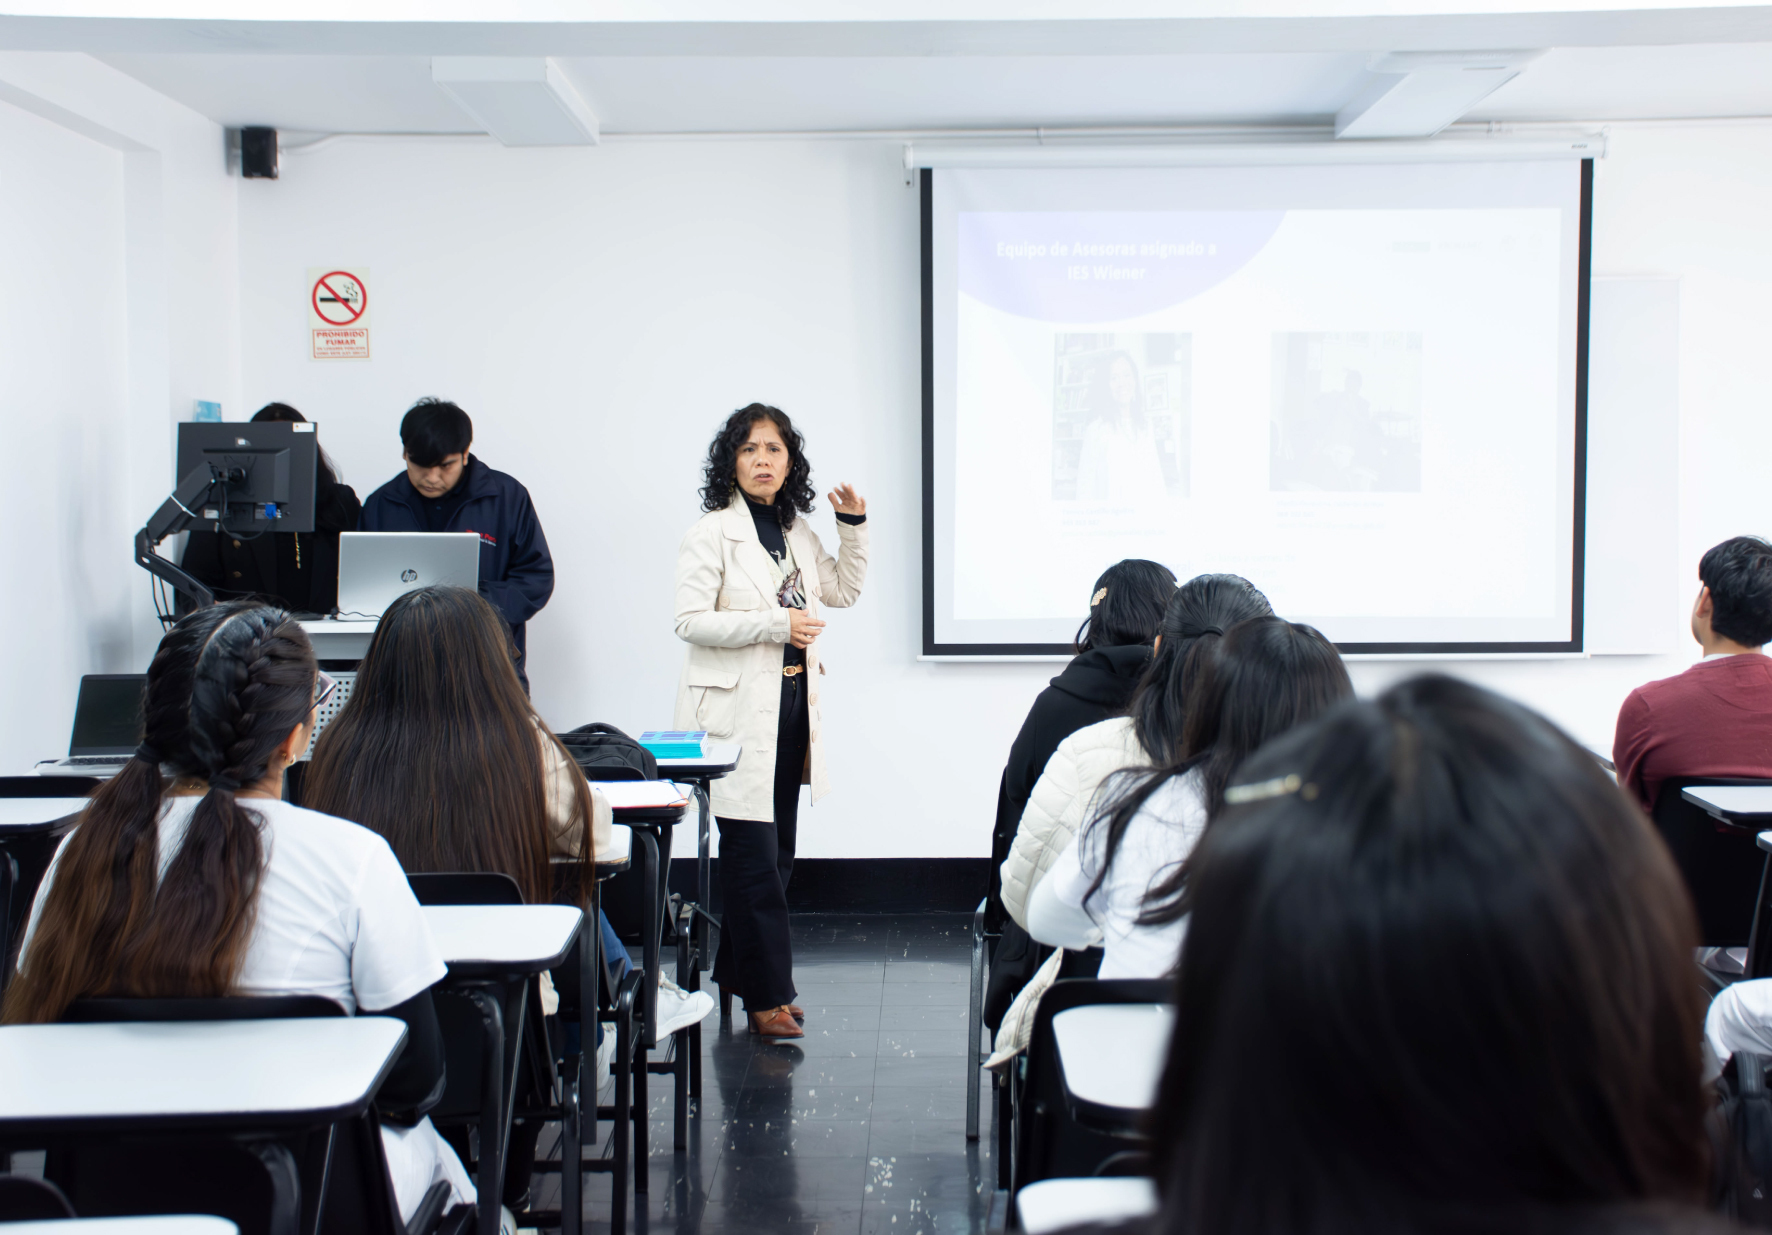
174	516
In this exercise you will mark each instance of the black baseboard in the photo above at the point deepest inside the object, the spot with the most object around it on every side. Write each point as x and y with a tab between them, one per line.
868	885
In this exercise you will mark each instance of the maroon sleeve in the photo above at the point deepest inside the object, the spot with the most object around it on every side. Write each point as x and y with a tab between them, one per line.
1630	746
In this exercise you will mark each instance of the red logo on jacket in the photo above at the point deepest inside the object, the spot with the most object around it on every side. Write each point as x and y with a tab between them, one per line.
484	538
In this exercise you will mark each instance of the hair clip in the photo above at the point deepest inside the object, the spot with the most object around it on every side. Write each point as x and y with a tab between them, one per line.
1278	787
1100	595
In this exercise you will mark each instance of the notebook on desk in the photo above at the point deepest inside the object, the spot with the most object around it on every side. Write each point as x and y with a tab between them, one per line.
107	726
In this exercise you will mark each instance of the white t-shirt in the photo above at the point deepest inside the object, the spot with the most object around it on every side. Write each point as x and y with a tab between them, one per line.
335	914
1160	835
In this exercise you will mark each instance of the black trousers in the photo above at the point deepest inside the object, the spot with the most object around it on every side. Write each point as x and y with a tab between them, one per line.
755	958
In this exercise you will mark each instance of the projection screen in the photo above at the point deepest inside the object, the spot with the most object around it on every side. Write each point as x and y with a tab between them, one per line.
1360	386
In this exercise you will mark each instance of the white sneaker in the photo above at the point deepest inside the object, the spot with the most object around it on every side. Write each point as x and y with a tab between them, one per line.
605	1055
679	1009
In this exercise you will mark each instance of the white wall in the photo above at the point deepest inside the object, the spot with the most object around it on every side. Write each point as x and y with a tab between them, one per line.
119	310
598	311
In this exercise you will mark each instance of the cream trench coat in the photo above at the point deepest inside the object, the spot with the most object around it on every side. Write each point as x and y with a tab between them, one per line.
736	631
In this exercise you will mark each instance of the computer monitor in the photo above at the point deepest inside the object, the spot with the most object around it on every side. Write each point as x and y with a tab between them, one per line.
108	714
262	473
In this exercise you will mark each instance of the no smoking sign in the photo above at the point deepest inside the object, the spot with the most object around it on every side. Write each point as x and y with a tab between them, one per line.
338	313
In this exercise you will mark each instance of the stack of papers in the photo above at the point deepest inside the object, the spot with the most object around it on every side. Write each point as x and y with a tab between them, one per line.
674	743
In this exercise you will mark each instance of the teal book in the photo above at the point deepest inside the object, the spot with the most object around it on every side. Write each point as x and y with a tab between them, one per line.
674	743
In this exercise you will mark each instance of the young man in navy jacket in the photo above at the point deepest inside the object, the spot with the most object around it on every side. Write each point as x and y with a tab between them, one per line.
446	489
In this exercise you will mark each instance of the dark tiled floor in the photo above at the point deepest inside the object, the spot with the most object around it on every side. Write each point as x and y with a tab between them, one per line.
859	1128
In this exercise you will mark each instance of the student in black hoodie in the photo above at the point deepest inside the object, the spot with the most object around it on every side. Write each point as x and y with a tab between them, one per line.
1113	645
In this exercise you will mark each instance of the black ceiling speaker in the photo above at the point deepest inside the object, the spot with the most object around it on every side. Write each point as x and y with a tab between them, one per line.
258	153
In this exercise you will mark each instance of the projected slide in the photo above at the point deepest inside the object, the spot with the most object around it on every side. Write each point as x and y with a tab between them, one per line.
1354	385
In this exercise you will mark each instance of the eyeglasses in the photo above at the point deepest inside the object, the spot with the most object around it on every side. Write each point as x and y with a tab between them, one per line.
323	687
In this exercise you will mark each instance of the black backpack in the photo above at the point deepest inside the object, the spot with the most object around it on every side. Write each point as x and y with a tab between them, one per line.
604	752
1745	1177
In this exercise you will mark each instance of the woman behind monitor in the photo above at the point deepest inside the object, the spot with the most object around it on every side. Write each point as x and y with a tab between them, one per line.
296	570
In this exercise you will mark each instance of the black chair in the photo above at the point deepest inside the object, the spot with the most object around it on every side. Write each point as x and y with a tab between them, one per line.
30	854
23	1199
1719	862
333	1182
482	1055
543	1079
48	786
1049	1141
589	995
8	887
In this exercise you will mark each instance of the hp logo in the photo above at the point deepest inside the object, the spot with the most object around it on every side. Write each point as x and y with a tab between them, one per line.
409	576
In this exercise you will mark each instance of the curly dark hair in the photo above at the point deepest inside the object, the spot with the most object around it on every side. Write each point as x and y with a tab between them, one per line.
720	473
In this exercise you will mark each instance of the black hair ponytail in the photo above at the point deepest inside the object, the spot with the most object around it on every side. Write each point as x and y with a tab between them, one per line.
227	686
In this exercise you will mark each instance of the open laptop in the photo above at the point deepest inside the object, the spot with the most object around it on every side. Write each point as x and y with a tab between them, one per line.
107	726
375	568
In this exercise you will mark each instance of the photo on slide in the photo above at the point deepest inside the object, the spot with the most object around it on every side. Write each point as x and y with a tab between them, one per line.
1122	414
1347	413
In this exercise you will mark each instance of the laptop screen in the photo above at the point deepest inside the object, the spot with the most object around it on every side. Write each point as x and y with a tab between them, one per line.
108	715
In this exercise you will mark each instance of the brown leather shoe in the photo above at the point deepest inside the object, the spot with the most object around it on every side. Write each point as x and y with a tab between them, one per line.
775	1023
795	1011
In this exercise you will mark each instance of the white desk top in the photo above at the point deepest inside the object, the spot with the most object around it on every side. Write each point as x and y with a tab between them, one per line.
1053	1204
1733	801
156	1224
192	1068
641	794
1112	1053
620	850
21	812
339	626
524	937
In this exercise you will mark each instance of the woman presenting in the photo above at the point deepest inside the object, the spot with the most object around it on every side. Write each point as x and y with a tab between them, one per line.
751	579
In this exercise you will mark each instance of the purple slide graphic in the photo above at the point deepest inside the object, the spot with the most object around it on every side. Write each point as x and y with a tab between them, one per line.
1104	266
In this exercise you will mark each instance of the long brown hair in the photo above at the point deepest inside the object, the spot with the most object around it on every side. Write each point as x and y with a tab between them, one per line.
227	686
439	750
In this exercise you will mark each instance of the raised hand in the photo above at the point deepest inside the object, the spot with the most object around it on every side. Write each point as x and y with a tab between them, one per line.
846	501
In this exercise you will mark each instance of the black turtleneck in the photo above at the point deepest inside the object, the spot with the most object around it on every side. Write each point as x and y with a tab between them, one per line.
768	522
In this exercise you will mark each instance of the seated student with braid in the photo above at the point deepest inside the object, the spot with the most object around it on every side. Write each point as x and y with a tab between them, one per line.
228	890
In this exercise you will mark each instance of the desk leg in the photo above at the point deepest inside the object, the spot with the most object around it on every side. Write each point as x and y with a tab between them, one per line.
704	880
490	1181
652	914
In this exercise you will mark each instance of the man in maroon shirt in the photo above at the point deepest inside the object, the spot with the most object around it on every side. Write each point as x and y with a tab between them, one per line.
1715	719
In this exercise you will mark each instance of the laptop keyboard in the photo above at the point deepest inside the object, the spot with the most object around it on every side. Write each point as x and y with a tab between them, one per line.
90	761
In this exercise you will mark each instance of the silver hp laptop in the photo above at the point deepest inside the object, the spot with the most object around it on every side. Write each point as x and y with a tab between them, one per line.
107	726
375	568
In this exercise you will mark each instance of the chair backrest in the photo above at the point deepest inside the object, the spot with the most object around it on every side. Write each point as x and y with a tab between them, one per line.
1720	864
47	786
8	886
465	888
228	1008
1048	1143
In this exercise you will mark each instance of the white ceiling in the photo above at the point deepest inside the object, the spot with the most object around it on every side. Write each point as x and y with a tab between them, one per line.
654	94
675	66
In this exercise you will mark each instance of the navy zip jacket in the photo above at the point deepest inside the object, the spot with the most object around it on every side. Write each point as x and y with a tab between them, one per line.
516	570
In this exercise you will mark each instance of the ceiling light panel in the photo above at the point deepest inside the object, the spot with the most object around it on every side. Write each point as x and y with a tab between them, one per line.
521	100
1416	94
